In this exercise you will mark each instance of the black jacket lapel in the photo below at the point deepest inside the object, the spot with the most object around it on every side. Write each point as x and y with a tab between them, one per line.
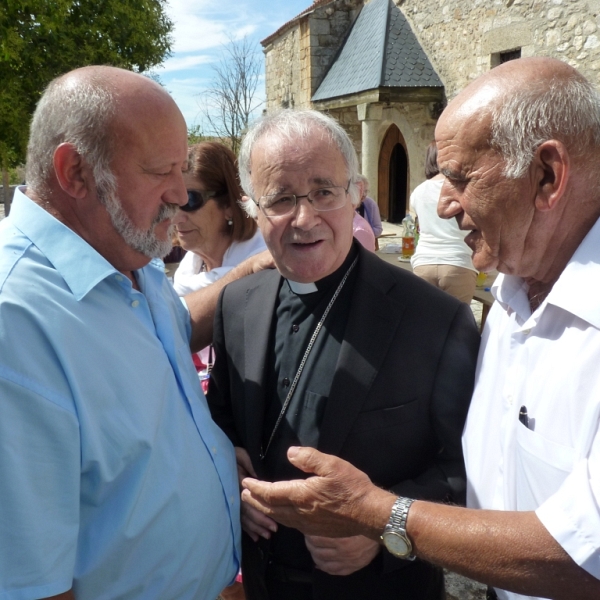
258	315
371	327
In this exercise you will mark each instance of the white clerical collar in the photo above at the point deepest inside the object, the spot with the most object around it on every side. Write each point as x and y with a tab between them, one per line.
302	288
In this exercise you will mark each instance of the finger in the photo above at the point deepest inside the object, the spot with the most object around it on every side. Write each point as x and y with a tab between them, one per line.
254	531
268	495
253	536
260	522
243	460
310	460
285	515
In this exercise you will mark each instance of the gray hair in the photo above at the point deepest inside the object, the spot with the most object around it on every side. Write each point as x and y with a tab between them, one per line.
76	111
293	125
566	110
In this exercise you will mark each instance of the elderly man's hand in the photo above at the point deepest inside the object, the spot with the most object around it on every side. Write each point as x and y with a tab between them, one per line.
339	501
341	556
254	523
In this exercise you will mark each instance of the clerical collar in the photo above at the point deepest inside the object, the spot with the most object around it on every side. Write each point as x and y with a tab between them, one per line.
327	282
302	288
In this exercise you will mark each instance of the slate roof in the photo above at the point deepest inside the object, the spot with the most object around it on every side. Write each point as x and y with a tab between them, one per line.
380	51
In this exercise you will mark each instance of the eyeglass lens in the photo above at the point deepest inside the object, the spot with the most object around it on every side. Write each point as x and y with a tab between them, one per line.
323	199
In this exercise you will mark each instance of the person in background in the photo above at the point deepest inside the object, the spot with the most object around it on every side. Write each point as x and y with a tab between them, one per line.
361	230
441	257
368	208
211	227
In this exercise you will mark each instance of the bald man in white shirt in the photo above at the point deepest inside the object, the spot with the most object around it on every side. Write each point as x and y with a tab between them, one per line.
519	148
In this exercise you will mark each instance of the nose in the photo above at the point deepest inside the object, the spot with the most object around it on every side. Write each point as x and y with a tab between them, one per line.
448	206
305	216
177	191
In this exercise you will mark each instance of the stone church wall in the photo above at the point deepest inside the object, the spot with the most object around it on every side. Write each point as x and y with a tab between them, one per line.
298	59
463	38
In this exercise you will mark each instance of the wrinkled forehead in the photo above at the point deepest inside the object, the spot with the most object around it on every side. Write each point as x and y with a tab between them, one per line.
315	155
468	116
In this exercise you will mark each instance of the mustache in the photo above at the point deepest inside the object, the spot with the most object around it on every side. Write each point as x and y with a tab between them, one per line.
166	211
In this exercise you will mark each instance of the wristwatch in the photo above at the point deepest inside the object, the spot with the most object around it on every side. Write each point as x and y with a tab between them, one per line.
394	535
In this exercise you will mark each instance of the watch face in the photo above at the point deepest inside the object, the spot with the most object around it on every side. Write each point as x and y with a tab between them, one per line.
396	544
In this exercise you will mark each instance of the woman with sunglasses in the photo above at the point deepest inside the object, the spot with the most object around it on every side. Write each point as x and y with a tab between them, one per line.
212	227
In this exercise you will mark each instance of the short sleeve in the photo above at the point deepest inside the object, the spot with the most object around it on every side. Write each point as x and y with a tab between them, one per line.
572	516
40	469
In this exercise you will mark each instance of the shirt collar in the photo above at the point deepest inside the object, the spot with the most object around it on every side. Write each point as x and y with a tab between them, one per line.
577	290
79	264
332	280
302	288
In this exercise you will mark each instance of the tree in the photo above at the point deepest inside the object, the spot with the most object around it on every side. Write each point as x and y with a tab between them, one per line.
41	39
229	102
195	135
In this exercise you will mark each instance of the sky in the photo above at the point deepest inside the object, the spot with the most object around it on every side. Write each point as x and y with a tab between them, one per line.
201	30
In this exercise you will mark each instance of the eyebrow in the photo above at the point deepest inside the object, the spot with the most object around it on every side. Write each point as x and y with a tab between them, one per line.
455	175
323	181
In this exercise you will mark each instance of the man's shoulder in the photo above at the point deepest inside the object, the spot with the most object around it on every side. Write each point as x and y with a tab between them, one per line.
404	285
16	259
239	287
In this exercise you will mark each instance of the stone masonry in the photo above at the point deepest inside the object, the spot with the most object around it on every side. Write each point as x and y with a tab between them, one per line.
463	38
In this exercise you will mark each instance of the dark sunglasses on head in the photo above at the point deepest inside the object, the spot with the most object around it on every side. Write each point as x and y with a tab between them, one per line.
197	199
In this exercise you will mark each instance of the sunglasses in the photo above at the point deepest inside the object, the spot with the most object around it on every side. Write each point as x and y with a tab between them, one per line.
197	199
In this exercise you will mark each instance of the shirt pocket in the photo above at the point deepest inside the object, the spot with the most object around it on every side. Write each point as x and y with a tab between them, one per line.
541	467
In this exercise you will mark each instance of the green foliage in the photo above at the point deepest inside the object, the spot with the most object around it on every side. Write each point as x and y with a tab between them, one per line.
41	39
195	135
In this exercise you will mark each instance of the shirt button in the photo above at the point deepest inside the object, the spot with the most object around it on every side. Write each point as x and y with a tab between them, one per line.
526	331
214	450
286	382
231	499
135	303
119	277
295	328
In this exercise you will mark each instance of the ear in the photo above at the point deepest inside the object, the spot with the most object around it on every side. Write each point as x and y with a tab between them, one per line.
71	170
552	168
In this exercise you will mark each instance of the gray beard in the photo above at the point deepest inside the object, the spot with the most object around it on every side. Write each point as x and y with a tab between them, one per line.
144	241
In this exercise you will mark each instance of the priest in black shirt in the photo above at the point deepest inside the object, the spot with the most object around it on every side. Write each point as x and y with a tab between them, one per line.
341	351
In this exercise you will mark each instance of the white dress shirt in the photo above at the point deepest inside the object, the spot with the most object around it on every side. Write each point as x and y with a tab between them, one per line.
549	363
190	277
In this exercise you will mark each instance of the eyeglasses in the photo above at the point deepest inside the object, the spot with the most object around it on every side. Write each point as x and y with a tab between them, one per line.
322	200
197	199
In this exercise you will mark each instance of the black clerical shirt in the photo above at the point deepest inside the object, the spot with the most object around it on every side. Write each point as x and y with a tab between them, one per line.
296	317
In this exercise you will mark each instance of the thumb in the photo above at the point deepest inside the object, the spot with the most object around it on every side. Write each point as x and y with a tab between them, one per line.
310	460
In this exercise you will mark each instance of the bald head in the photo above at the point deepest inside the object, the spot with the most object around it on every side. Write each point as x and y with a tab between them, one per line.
88	108
517	106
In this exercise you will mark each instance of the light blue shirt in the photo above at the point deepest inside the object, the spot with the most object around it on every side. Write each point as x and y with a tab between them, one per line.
114	480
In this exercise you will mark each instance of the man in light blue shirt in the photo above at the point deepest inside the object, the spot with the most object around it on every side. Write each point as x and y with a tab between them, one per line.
114	480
